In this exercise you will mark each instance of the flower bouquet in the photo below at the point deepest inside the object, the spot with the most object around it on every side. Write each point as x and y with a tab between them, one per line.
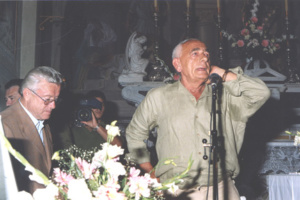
254	39
96	175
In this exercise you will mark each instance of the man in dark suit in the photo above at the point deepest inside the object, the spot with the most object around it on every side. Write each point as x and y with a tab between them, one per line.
23	123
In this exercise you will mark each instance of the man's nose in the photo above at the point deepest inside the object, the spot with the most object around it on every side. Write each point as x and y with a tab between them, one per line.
52	104
205	56
8	102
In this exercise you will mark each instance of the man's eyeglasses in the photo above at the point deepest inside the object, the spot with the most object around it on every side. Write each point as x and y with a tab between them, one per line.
46	101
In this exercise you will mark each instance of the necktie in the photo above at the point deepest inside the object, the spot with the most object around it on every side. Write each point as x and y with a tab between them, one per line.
40	126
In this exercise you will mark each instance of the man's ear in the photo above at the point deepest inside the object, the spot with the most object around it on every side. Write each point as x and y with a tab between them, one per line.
26	93
176	63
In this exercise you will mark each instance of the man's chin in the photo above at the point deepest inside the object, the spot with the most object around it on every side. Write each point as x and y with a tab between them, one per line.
203	77
46	116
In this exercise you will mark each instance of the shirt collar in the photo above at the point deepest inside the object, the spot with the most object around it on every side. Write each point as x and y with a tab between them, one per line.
38	123
206	92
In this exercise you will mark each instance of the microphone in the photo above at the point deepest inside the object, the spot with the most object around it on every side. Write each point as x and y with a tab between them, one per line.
214	79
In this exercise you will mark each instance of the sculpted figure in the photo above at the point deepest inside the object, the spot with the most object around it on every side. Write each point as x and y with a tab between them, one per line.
135	63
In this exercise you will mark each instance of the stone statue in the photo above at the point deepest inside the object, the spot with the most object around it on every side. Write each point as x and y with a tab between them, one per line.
135	63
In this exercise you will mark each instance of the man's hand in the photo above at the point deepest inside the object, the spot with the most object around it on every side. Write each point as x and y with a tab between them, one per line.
147	167
217	70
221	72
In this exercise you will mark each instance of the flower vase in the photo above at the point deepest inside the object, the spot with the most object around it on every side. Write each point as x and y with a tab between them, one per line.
255	66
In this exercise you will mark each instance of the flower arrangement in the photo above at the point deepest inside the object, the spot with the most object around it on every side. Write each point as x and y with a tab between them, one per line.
296	137
92	175
254	40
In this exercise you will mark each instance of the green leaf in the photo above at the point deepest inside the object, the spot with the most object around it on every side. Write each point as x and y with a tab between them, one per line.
93	184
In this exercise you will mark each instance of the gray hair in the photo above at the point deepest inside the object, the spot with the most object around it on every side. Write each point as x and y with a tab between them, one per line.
177	50
35	75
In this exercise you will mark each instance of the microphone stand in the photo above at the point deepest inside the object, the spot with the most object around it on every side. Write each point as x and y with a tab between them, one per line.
214	142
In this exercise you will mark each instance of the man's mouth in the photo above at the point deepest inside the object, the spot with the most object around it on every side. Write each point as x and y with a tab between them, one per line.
201	69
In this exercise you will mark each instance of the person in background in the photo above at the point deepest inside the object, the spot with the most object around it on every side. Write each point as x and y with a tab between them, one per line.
23	124
12	93
88	134
181	112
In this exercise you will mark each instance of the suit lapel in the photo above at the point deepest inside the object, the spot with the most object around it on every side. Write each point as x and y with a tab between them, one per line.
30	132
48	145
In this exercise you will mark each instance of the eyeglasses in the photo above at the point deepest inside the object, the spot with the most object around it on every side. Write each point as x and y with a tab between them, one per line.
46	101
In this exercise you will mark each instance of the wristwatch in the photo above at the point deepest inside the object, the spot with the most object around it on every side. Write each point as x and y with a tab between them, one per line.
96	128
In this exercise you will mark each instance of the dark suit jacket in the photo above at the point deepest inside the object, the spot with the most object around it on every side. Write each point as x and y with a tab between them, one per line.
24	137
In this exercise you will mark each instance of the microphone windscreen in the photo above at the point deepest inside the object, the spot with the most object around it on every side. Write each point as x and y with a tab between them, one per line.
214	78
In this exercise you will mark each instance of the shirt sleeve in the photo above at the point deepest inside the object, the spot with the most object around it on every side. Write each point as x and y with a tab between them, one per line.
138	129
245	94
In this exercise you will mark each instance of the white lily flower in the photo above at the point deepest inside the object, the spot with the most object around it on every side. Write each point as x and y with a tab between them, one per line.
48	193
112	150
78	190
115	168
35	176
172	188
112	129
23	195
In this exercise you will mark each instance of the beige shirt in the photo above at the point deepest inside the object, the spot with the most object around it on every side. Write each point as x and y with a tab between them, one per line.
183	122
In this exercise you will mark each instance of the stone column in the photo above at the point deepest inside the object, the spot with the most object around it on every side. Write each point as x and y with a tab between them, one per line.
28	37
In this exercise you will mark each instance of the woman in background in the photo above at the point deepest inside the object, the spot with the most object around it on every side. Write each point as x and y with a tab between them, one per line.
88	134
